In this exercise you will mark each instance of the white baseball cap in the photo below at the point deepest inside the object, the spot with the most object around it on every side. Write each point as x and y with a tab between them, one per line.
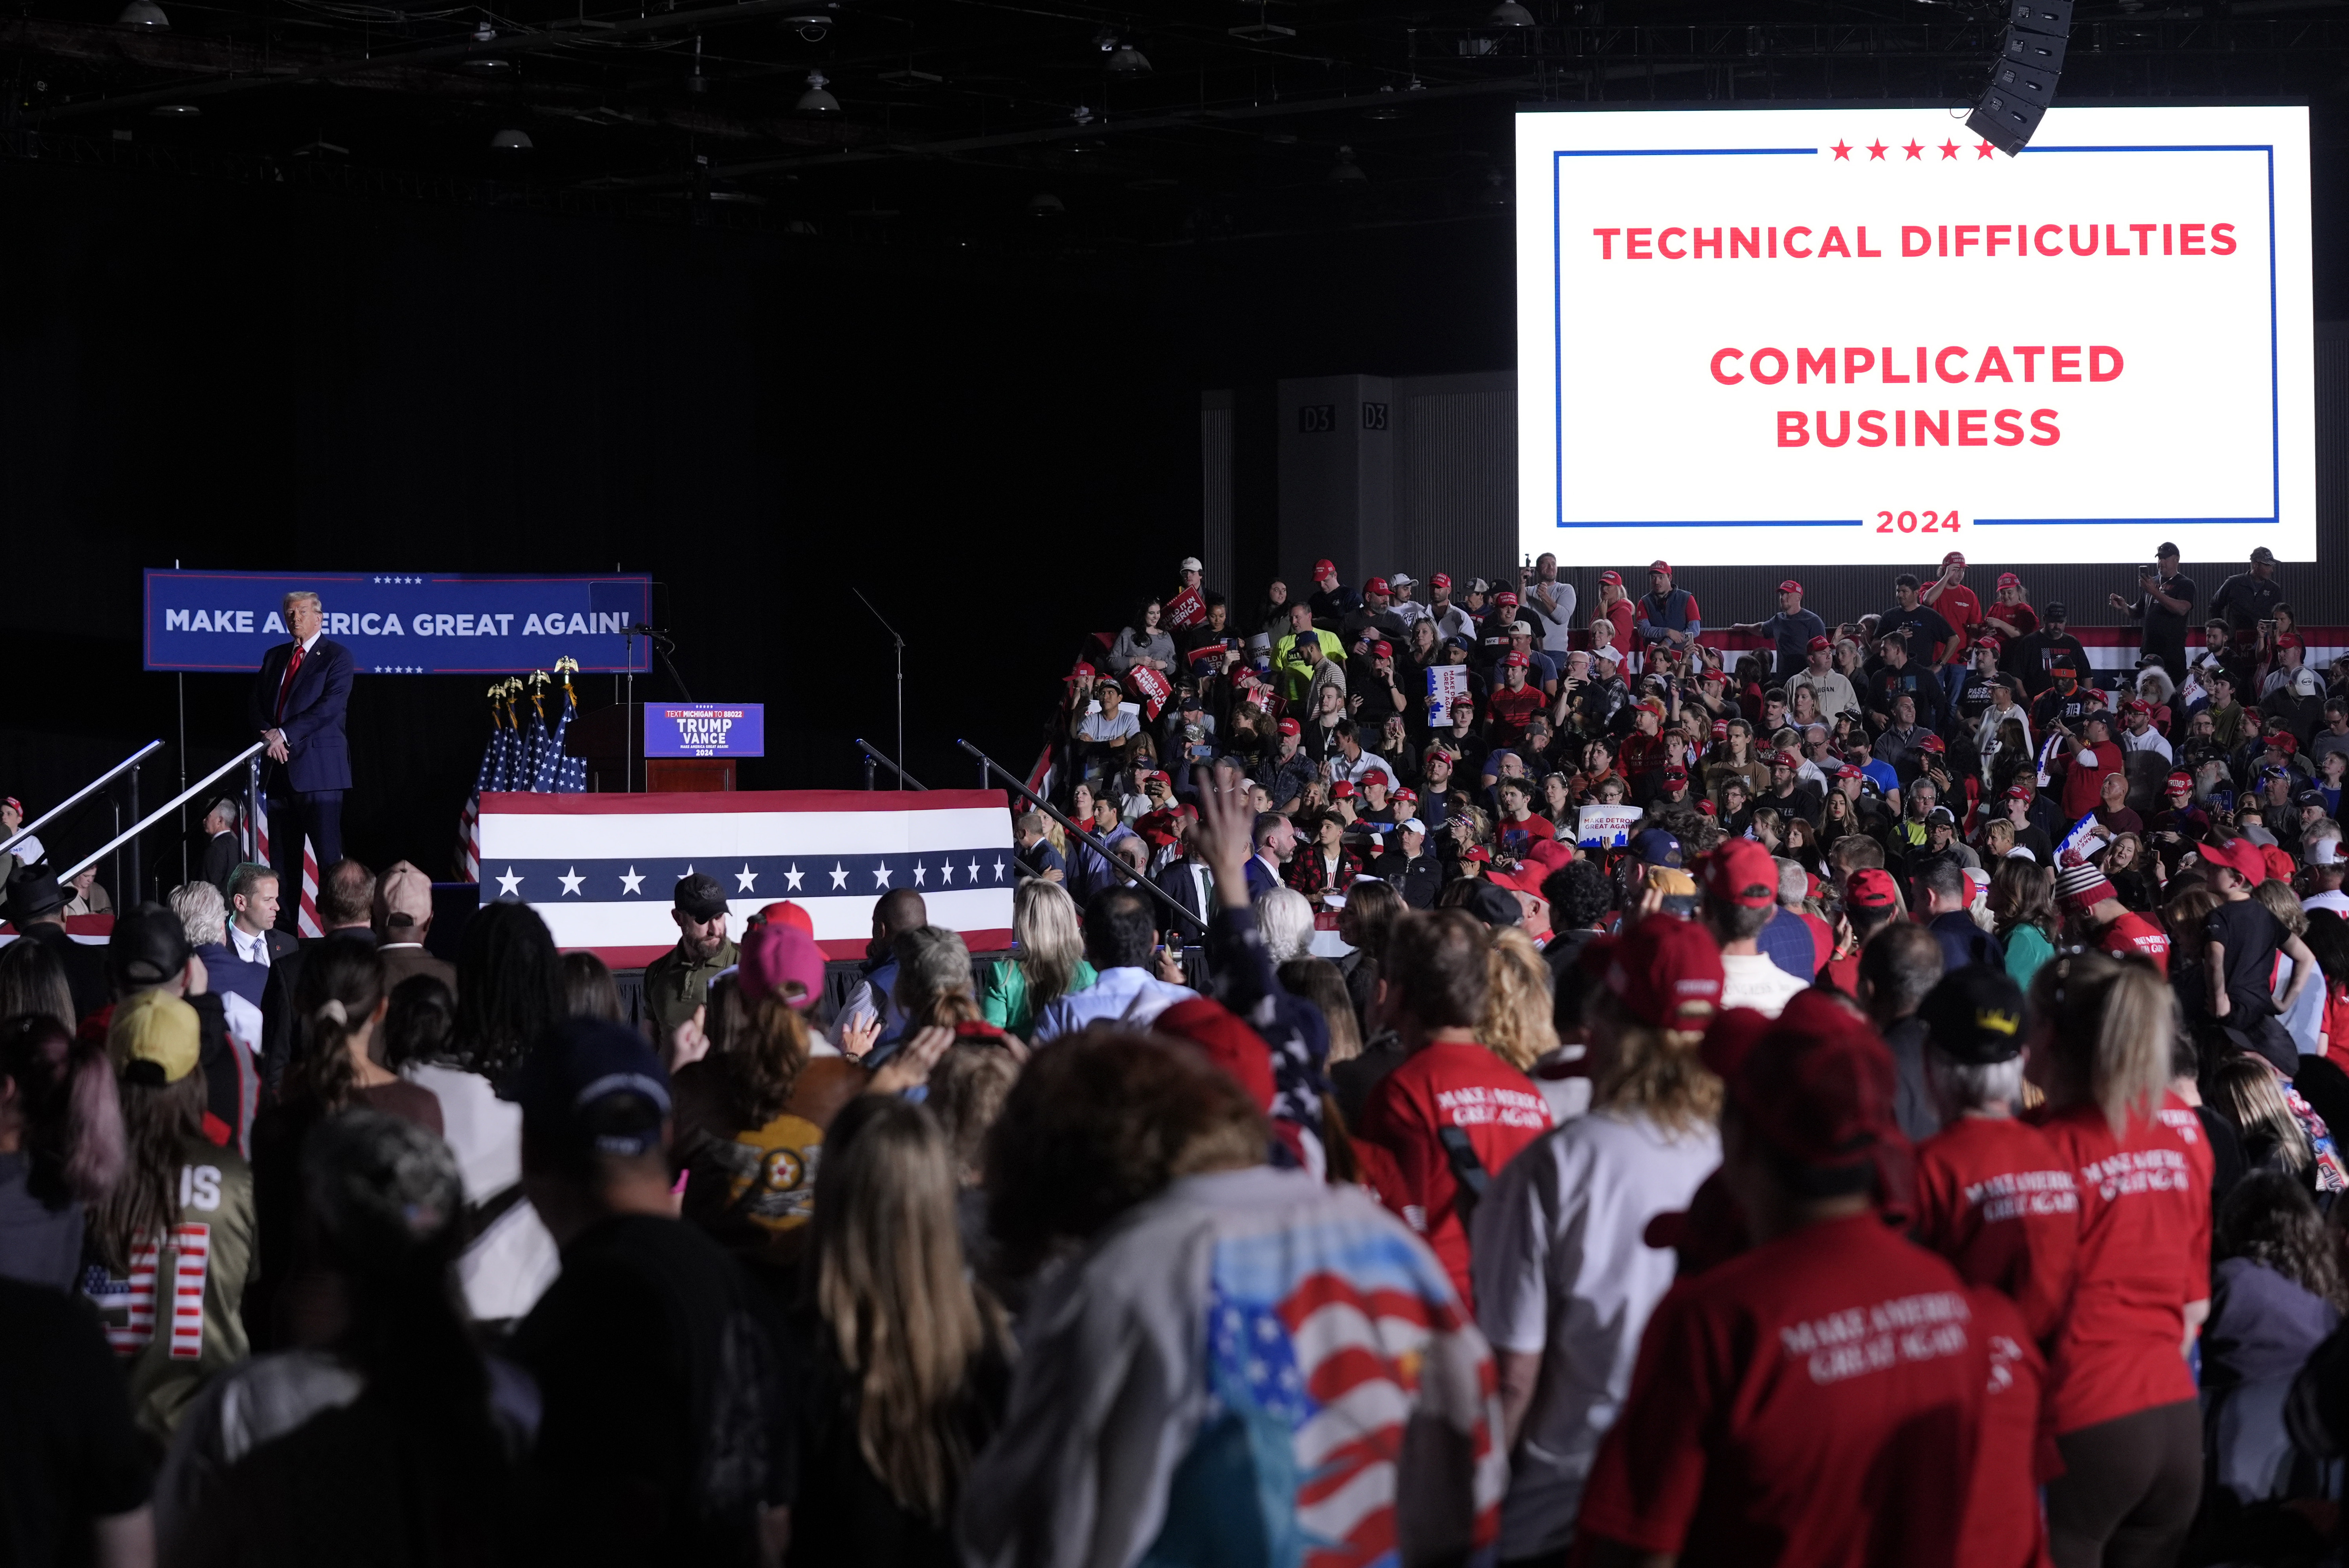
1412	825
1403	579
1189	564
2325	851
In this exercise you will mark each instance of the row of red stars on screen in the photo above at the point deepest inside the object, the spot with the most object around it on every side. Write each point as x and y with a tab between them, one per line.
1876	150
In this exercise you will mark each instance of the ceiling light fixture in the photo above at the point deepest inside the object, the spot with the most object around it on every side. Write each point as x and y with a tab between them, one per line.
1509	13
484	32
511	141
175	111
1346	171
486	63
696	83
1044	204
1126	57
1496	189
816	99
142	14
1081	115
813	27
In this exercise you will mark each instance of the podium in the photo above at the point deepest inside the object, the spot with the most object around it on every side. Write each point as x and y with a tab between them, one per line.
611	741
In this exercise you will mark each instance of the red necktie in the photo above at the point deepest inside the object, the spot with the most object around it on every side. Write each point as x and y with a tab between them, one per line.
287	686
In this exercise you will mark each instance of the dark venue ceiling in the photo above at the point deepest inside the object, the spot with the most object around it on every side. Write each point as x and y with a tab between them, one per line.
1001	124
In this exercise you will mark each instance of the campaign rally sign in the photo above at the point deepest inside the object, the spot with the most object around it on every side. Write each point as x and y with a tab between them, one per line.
601	869
723	729
1606	827
404	623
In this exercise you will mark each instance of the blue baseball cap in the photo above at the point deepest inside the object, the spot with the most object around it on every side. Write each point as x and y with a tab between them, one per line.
1655	847
593	1087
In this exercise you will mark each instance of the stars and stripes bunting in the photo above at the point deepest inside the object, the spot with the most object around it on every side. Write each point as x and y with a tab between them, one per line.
602	870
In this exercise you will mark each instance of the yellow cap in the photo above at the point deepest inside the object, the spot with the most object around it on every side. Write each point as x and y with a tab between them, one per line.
155	1027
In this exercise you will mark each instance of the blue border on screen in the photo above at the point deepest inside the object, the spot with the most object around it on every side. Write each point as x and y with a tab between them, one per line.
1558	350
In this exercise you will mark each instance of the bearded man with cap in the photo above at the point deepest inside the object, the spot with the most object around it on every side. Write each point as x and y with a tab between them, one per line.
1373	620
677	983
1993	1196
1820	1397
1667	616
666	1434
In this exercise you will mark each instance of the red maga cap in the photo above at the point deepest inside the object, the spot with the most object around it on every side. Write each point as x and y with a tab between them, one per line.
1441	580
1817	1088
1227	1041
1343	790
1664	566
1324	568
1667	972
1790	586
1290	727
1957	557
1819	644
1381	650
1871	887
1516	662
1375	776
2009	580
1614	578
2241	856
1741	872
1377	585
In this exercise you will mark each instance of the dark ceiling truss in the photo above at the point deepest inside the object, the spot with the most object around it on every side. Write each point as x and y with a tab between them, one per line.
960	120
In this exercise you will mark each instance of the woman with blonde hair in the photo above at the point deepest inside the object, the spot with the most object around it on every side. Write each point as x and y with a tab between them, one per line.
909	1360
2120	1397
2245	1092
1048	963
2305	1022
1517	1025
1564	1281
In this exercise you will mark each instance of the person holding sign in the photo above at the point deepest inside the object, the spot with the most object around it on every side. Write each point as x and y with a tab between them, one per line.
297	706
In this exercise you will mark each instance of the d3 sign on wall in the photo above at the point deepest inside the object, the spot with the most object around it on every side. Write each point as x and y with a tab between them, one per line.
1771	336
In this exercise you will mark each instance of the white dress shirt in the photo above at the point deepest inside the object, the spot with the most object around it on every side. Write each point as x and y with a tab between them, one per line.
252	948
1126	995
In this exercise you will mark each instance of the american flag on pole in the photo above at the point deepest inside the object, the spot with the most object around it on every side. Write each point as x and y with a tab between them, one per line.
306	922
601	869
558	772
497	766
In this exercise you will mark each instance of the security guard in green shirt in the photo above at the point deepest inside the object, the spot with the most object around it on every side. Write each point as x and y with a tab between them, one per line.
1291	665
677	983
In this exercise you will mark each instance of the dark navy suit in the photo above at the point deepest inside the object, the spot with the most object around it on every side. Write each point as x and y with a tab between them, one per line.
305	791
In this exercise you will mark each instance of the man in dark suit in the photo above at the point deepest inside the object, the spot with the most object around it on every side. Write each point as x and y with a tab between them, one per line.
1190	882
297	706
223	852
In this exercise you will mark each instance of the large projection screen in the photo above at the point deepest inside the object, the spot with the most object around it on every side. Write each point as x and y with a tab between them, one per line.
1779	336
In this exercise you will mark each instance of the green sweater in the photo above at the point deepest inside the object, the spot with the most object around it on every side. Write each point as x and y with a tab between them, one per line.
1006	1004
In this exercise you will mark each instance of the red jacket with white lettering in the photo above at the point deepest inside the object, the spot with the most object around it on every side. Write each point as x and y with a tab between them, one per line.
1448	1084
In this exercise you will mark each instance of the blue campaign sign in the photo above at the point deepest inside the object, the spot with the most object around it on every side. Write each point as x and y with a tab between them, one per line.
708	729
405	623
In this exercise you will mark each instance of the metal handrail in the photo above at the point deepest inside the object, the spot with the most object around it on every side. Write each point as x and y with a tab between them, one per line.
100	783
165	809
873	755
1098	847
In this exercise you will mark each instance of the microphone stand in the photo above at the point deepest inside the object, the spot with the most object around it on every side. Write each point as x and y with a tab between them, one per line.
661	647
901	677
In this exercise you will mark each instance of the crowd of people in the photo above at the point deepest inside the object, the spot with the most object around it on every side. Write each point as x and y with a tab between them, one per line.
1892	1127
